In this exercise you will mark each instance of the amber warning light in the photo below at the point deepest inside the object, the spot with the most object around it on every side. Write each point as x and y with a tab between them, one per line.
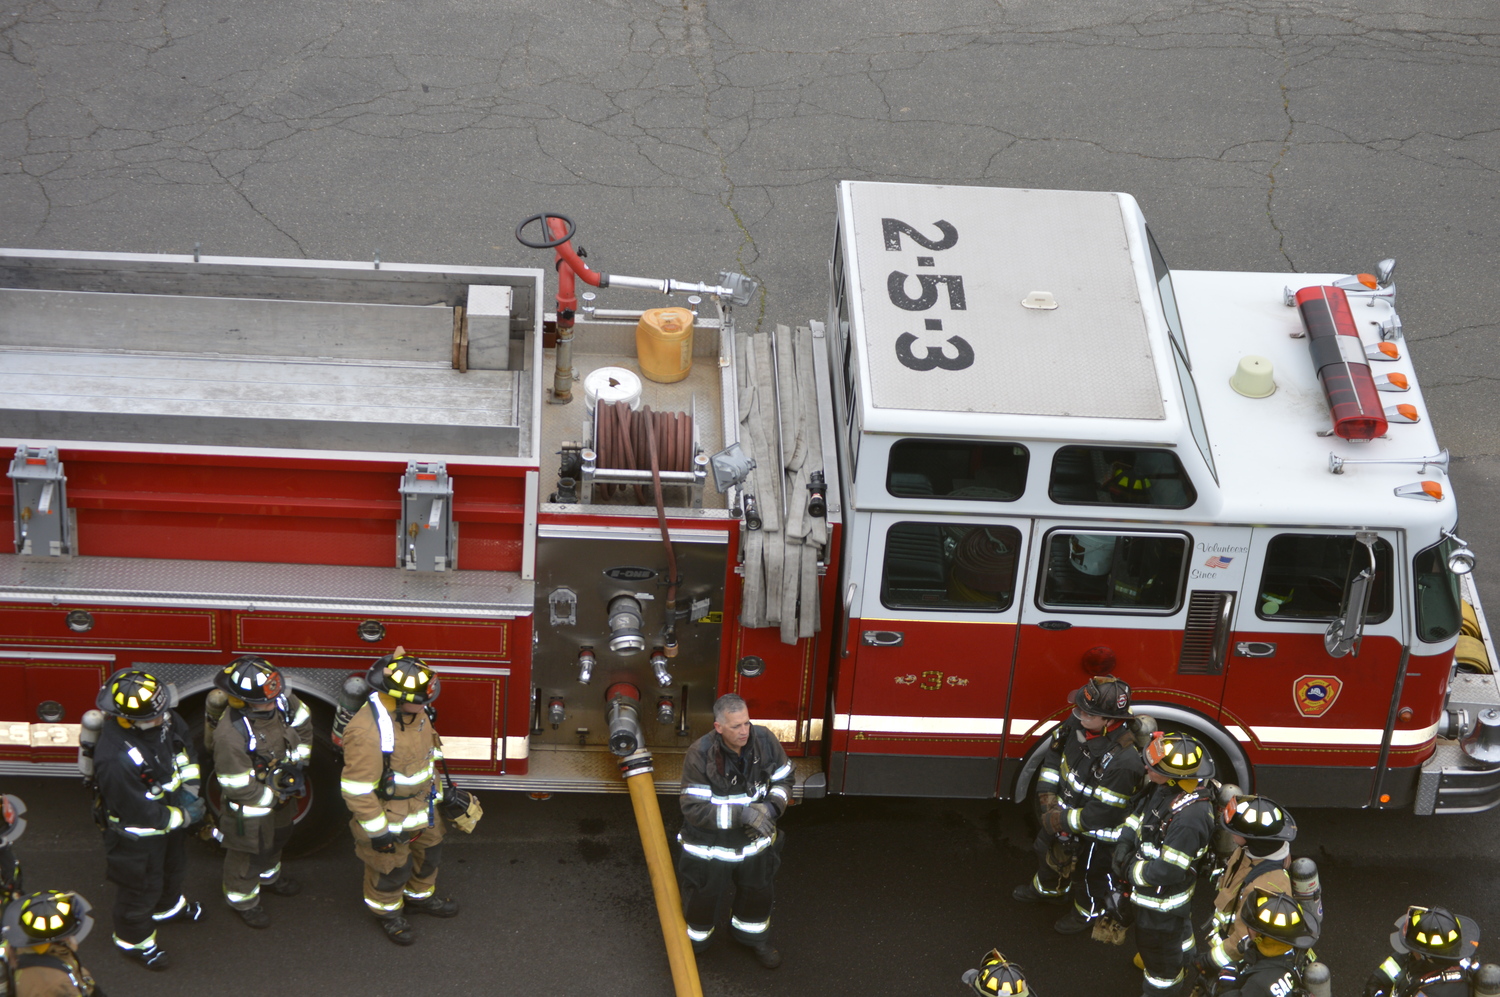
1339	356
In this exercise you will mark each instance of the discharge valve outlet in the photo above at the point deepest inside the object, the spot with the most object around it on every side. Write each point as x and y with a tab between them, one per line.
625	622
624	715
659	665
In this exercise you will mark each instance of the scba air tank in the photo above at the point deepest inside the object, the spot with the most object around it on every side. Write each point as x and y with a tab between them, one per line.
1306	886
88	736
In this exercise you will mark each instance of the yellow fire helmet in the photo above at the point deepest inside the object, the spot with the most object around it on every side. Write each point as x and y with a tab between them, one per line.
1436	932
46	917
1178	756
998	977
406	678
1280	916
134	695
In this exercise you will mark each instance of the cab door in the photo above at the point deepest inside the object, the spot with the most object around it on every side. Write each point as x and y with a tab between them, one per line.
932	639
1147	603
1313	723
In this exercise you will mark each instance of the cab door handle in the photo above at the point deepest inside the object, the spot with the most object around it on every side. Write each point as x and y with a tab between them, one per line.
883	638
1255	649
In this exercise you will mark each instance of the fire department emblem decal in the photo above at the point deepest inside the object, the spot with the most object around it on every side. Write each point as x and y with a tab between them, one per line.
1315	694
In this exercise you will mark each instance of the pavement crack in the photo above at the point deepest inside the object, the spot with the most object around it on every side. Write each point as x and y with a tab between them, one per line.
1282	29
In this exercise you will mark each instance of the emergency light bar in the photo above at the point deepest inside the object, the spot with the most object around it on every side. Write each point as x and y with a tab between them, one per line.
1339	356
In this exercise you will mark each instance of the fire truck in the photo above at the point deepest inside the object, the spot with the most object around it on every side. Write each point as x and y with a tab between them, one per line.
1018	451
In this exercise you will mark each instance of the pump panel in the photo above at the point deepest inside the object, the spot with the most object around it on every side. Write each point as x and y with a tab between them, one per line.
602	565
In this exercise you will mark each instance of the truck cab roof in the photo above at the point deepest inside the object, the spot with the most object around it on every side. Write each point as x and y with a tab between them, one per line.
1049	317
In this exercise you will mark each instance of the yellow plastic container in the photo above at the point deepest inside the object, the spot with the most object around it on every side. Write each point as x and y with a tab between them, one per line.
664	344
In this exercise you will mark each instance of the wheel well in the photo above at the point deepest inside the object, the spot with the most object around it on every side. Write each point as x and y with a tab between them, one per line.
1228	755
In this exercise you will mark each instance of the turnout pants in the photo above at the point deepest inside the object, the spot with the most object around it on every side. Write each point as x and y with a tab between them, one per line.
1093	876
148	874
705	882
252	856
1166	947
410	871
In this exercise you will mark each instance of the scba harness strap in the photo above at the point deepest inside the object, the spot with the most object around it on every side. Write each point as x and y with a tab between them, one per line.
385	789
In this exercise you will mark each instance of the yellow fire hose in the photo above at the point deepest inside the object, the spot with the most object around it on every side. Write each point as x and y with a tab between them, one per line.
636	769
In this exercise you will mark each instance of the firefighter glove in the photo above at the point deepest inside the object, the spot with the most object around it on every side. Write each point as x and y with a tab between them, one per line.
384	843
1046	801
462	809
193	807
289	780
757	821
1055	821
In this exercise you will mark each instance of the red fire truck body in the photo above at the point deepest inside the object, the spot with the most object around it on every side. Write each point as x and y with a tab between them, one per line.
1020	451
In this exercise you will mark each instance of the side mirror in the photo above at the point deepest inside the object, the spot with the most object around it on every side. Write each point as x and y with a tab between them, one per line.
1343	634
1384	271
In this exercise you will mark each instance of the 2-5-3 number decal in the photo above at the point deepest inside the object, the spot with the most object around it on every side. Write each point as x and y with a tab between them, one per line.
895	286
933	357
895	227
936	357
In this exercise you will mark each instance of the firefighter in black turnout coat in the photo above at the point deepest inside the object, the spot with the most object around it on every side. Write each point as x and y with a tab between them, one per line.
1089	780
1436	955
1274	951
147	777
1160	850
736	783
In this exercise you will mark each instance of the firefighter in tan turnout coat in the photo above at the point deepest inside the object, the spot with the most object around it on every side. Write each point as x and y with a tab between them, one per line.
392	787
261	744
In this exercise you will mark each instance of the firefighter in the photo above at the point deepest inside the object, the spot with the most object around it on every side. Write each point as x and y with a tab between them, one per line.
1436	955
1160	850
1090	777
392	788
1274	950
12	826
1262	833
43	932
736	784
998	977
147	781
261	744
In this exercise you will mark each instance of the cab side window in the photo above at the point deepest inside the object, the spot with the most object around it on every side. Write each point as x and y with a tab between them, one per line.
1098	570
1100	476
1305	574
950	566
953	469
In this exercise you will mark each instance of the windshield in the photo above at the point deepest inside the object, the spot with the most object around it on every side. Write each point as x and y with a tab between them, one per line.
1439	613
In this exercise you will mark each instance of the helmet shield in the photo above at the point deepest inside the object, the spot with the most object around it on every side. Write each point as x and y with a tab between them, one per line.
12	819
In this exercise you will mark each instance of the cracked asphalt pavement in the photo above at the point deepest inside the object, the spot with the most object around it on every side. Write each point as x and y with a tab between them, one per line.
690	136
